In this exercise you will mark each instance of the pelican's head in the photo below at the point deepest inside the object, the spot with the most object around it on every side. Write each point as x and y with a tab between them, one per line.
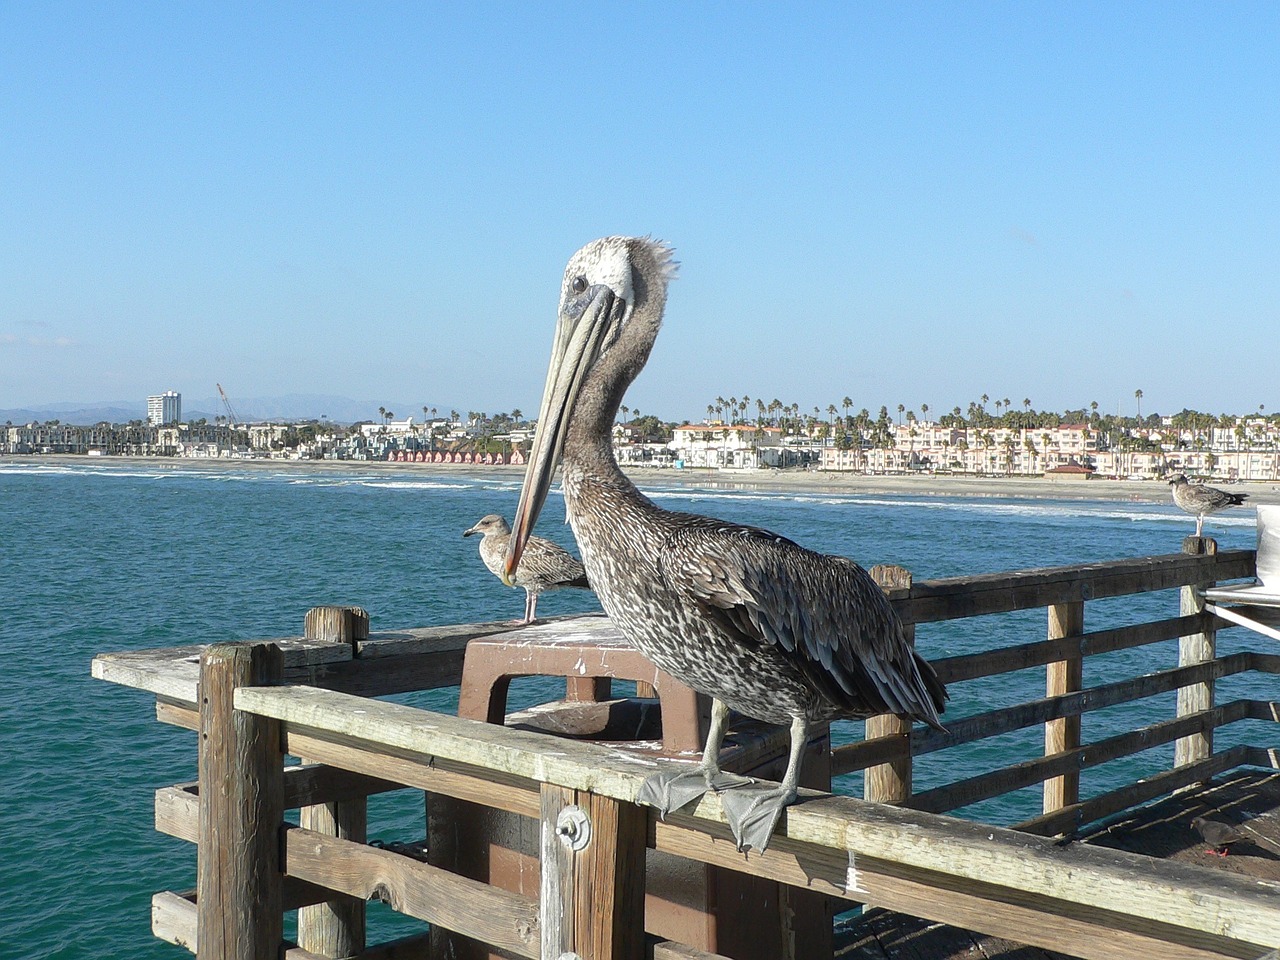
611	304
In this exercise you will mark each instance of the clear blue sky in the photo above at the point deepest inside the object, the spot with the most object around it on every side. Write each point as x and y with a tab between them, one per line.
895	202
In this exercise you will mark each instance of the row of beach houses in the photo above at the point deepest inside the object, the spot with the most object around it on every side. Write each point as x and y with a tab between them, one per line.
1249	450
1068	451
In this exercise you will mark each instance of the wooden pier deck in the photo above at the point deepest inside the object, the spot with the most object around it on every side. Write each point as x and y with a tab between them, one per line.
1117	875
1161	829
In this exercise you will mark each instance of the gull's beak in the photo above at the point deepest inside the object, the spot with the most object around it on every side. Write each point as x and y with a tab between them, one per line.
469	532
581	332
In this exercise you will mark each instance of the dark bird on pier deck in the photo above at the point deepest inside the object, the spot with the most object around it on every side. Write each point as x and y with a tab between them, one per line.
1218	835
755	621
1200	500
545	566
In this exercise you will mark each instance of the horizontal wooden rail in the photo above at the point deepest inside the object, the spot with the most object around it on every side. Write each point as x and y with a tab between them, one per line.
961	793
857	756
982	872
989	663
929	601
173	919
506	920
1071	817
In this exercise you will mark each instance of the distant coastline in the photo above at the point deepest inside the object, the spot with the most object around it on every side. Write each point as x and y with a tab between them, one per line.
764	480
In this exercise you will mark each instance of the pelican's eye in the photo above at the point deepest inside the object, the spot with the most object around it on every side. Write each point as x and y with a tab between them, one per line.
579	285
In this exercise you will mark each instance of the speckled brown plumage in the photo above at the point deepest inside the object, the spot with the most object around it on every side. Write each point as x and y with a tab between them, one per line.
1200	500
765	626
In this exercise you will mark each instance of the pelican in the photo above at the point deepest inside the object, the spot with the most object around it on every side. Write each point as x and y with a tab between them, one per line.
1200	500
546	566
747	617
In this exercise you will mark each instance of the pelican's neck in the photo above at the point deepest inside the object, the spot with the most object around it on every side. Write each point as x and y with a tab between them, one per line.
589	442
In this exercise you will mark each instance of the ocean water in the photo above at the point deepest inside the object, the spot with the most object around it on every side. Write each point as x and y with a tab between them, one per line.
100	557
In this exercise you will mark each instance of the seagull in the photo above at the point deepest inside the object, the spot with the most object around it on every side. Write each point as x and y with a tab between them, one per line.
546	566
1200	500
757	622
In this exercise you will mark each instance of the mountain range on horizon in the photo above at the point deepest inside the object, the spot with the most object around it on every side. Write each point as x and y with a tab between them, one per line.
294	406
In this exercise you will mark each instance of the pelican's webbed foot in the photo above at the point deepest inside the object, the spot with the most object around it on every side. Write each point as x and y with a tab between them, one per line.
753	814
670	790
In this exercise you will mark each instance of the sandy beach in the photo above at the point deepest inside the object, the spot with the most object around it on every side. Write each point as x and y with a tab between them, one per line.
812	481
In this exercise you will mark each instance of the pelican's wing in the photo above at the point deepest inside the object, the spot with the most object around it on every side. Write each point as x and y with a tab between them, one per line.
826	613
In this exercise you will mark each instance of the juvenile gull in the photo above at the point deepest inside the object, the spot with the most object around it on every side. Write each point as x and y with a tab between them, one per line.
755	621
1200	500
545	566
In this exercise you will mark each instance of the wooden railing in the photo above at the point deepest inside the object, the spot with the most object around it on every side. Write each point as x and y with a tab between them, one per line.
1063	592
311	699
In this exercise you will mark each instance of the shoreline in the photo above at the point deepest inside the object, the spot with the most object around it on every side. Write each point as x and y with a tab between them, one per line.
764	481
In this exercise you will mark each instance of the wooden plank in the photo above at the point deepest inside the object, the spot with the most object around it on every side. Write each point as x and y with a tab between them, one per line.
1071	818
950	850
174	672
417	889
173	919
952	598
178	806
336	927
994	783
177	714
593	868
667	950
610	880
238	858
492	788
1062	677
890	782
1195	648
1091	933
556	877
989	663
855	756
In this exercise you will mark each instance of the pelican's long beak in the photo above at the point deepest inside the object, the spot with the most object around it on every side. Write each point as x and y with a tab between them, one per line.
581	332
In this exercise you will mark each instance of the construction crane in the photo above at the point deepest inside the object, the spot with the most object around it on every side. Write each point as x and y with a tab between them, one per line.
227	403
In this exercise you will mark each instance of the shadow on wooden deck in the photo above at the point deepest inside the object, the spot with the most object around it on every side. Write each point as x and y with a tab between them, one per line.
1162	829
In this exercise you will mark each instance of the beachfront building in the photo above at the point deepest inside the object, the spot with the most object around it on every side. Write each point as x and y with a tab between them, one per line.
726	446
164	408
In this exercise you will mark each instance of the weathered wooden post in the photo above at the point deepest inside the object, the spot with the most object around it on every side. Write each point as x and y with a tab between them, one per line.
238	888
890	782
1063	677
1192	649
335	928
593	876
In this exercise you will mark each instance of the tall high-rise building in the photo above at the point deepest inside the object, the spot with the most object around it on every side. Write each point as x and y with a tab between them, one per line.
164	408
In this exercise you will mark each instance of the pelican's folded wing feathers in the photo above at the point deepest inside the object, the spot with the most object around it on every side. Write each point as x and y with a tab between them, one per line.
828	615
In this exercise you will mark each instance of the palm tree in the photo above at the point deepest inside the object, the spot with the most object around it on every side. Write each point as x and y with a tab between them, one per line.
924	410
1137	395
901	408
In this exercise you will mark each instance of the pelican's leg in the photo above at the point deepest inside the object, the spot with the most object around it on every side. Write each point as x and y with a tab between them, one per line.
530	605
671	789
753	814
